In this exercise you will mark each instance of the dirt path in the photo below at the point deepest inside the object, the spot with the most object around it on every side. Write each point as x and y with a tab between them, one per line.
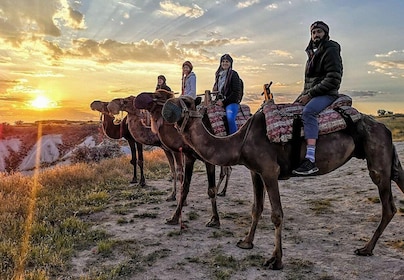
325	219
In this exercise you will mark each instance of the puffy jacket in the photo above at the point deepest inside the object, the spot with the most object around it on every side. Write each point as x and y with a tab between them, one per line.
324	69
232	90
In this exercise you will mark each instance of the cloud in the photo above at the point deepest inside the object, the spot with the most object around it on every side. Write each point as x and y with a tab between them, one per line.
246	4
24	19
362	93
281	53
390	64
171	9
217	42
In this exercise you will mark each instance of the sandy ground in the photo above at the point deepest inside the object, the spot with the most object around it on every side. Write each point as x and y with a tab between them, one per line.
317	243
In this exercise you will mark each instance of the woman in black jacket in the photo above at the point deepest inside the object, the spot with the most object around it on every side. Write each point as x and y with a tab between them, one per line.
161	83
228	84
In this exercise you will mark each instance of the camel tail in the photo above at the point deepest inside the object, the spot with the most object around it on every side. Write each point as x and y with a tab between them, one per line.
397	172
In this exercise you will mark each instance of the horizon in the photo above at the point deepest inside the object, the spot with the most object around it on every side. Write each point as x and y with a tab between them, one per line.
59	56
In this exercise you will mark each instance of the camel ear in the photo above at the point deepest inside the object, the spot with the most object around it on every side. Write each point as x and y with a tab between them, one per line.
198	100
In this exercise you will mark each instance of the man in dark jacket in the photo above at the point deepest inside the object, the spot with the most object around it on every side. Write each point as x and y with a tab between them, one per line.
323	77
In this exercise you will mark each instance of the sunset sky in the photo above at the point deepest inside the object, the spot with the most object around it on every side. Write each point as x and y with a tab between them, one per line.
57	56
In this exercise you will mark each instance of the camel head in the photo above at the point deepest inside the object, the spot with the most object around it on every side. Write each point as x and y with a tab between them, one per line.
179	110
153	102
122	104
100	106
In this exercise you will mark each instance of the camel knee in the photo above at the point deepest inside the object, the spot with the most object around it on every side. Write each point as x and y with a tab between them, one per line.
212	192
277	218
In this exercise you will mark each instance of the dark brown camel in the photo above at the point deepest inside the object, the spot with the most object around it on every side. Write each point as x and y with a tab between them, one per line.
171	139
144	135
269	162
120	131
157	100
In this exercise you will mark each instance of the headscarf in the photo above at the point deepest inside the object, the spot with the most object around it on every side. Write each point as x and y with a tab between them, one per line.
219	71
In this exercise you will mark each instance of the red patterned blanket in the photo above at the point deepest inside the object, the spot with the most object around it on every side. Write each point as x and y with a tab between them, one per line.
216	114
279	118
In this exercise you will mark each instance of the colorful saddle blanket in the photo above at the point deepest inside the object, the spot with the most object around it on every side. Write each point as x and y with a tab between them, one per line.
279	118
216	114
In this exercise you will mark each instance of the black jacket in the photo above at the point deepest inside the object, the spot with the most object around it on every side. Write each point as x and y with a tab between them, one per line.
232	88
323	73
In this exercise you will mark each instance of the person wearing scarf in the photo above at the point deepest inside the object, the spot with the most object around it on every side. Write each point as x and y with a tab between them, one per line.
161	83
188	80
323	75
228	85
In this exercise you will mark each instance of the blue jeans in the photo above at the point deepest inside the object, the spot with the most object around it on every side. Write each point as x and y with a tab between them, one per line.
231	113
310	113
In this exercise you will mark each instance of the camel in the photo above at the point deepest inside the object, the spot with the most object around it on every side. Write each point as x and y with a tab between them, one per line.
117	132
144	135
171	139
158	99
270	162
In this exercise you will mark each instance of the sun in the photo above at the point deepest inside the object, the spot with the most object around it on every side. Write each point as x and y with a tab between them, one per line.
42	102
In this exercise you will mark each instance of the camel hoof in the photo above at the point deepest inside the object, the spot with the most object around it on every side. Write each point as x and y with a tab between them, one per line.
213	223
172	221
142	183
274	264
245	245
221	194
170	198
363	252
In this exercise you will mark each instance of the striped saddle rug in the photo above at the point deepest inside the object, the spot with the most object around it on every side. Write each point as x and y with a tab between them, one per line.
216	116
279	118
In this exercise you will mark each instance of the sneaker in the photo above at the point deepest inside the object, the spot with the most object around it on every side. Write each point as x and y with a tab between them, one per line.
306	168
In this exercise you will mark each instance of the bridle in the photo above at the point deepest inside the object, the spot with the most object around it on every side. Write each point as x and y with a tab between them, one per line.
186	114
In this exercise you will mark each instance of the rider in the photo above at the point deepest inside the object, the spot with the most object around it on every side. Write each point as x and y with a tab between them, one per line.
228	84
161	83
188	80
323	75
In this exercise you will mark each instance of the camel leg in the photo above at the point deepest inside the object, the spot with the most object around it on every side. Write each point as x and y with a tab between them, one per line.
140	161
133	160
212	190
189	166
388	210
225	171
380	160
397	170
257	208
170	158
271	185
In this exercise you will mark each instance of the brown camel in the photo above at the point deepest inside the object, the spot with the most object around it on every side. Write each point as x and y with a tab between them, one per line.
155	102
170	138
116	132
144	135
269	162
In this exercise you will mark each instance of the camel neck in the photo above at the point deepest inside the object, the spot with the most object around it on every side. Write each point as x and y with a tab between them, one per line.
223	151
140	132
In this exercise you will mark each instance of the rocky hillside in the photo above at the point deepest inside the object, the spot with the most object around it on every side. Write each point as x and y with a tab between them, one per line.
19	143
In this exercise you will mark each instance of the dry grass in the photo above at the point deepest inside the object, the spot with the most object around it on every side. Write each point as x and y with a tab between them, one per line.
59	197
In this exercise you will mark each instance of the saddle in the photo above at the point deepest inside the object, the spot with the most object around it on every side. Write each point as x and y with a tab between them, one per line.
217	115
280	118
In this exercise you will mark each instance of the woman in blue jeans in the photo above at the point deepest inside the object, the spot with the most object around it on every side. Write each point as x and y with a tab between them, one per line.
323	75
228	84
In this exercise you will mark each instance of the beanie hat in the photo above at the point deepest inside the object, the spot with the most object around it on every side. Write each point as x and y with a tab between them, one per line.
226	57
189	64
320	24
162	77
